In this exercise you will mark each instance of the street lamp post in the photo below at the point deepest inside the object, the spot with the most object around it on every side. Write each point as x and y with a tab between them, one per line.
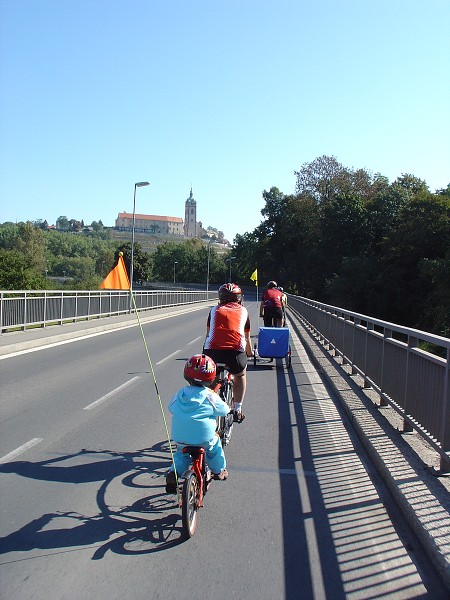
136	185
230	259
175	263
207	273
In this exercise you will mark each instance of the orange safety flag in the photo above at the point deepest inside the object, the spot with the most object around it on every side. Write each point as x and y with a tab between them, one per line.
254	276
117	279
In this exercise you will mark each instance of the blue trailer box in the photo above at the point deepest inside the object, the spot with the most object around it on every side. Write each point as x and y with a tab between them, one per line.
273	342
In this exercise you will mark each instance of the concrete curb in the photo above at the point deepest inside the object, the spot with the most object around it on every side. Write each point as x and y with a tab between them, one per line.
422	497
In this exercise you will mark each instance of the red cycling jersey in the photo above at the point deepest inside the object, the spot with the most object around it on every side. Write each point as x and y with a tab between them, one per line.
228	324
272	298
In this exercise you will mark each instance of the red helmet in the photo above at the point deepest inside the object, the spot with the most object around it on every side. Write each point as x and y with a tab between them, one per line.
272	284
230	292
200	369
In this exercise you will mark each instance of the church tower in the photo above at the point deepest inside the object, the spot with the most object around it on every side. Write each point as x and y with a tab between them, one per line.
190	217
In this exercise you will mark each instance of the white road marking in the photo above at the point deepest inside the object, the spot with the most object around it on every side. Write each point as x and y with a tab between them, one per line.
21	449
196	340
269	470
112	393
168	357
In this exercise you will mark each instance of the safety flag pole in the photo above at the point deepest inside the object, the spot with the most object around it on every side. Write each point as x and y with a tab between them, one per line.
117	279
254	277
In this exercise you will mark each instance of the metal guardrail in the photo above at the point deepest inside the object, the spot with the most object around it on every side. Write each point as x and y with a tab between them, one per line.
408	378
25	309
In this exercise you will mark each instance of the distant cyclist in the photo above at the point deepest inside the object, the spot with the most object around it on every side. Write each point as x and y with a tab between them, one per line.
271	307
283	304
228	340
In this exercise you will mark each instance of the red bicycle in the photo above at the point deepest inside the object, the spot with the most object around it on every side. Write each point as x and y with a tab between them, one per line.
196	481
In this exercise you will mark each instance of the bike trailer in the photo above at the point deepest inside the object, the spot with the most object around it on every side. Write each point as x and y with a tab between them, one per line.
273	342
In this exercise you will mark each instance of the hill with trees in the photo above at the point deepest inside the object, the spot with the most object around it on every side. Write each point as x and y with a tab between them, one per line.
346	237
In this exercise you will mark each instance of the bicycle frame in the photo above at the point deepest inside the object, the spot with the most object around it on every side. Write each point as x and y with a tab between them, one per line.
198	466
223	387
195	485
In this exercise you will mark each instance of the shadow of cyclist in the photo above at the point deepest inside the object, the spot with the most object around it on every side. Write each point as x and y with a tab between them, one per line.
130	530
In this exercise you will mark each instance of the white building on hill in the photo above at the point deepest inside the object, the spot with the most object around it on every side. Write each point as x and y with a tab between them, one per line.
163	225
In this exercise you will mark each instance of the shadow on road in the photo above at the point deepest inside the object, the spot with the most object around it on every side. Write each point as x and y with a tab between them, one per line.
140	528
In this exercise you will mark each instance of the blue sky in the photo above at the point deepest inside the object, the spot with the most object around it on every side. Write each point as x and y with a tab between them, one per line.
230	97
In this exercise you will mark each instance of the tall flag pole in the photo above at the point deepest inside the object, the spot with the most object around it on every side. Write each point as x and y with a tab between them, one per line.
117	279
254	277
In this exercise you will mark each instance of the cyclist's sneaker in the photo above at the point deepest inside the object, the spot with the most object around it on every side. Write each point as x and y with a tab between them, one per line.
171	483
221	476
238	416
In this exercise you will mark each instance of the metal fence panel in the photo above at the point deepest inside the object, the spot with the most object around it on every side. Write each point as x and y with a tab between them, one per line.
415	382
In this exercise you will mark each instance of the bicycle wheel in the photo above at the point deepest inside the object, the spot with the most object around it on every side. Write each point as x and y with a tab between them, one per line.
228	419
189	504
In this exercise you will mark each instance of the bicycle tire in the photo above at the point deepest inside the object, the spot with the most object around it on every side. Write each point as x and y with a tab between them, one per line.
227	421
189	504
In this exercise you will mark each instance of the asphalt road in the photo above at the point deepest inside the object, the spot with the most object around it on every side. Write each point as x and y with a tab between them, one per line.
84	514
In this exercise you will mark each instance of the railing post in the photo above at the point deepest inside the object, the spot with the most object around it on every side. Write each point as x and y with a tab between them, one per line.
25	311
445	435
45	309
62	308
386	333
367	384
355	323
407	427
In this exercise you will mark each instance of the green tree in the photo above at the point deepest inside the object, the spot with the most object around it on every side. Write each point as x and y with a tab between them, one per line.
142	262
9	232
325	178
18	273
31	243
62	223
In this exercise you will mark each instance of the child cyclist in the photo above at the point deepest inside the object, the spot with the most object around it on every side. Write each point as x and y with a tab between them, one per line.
194	410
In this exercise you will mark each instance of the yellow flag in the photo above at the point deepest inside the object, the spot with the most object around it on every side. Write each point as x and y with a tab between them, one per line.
117	279
254	276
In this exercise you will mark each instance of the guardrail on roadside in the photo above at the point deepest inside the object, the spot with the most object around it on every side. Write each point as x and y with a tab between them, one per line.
389	357
24	309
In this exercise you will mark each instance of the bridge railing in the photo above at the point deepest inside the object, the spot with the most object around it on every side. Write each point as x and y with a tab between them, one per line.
395	362
25	309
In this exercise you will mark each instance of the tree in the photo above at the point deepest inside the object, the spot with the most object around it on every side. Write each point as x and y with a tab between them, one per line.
413	184
9	232
62	223
31	243
17	272
142	262
322	179
325	178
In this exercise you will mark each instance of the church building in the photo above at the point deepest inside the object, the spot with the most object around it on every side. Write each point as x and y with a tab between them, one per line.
163	225
190	217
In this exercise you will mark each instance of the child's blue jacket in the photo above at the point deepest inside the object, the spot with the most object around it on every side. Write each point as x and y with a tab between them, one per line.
194	411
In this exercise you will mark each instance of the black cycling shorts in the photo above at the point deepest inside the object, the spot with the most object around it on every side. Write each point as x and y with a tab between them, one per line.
272	314
235	360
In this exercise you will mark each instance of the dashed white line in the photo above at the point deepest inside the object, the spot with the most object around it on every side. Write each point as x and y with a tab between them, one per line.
111	393
196	340
168	357
19	450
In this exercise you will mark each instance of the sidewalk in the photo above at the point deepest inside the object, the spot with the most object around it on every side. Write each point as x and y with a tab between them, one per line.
406	462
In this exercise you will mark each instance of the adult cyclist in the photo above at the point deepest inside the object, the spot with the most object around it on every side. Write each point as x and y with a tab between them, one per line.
228	340
283	304
271	308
